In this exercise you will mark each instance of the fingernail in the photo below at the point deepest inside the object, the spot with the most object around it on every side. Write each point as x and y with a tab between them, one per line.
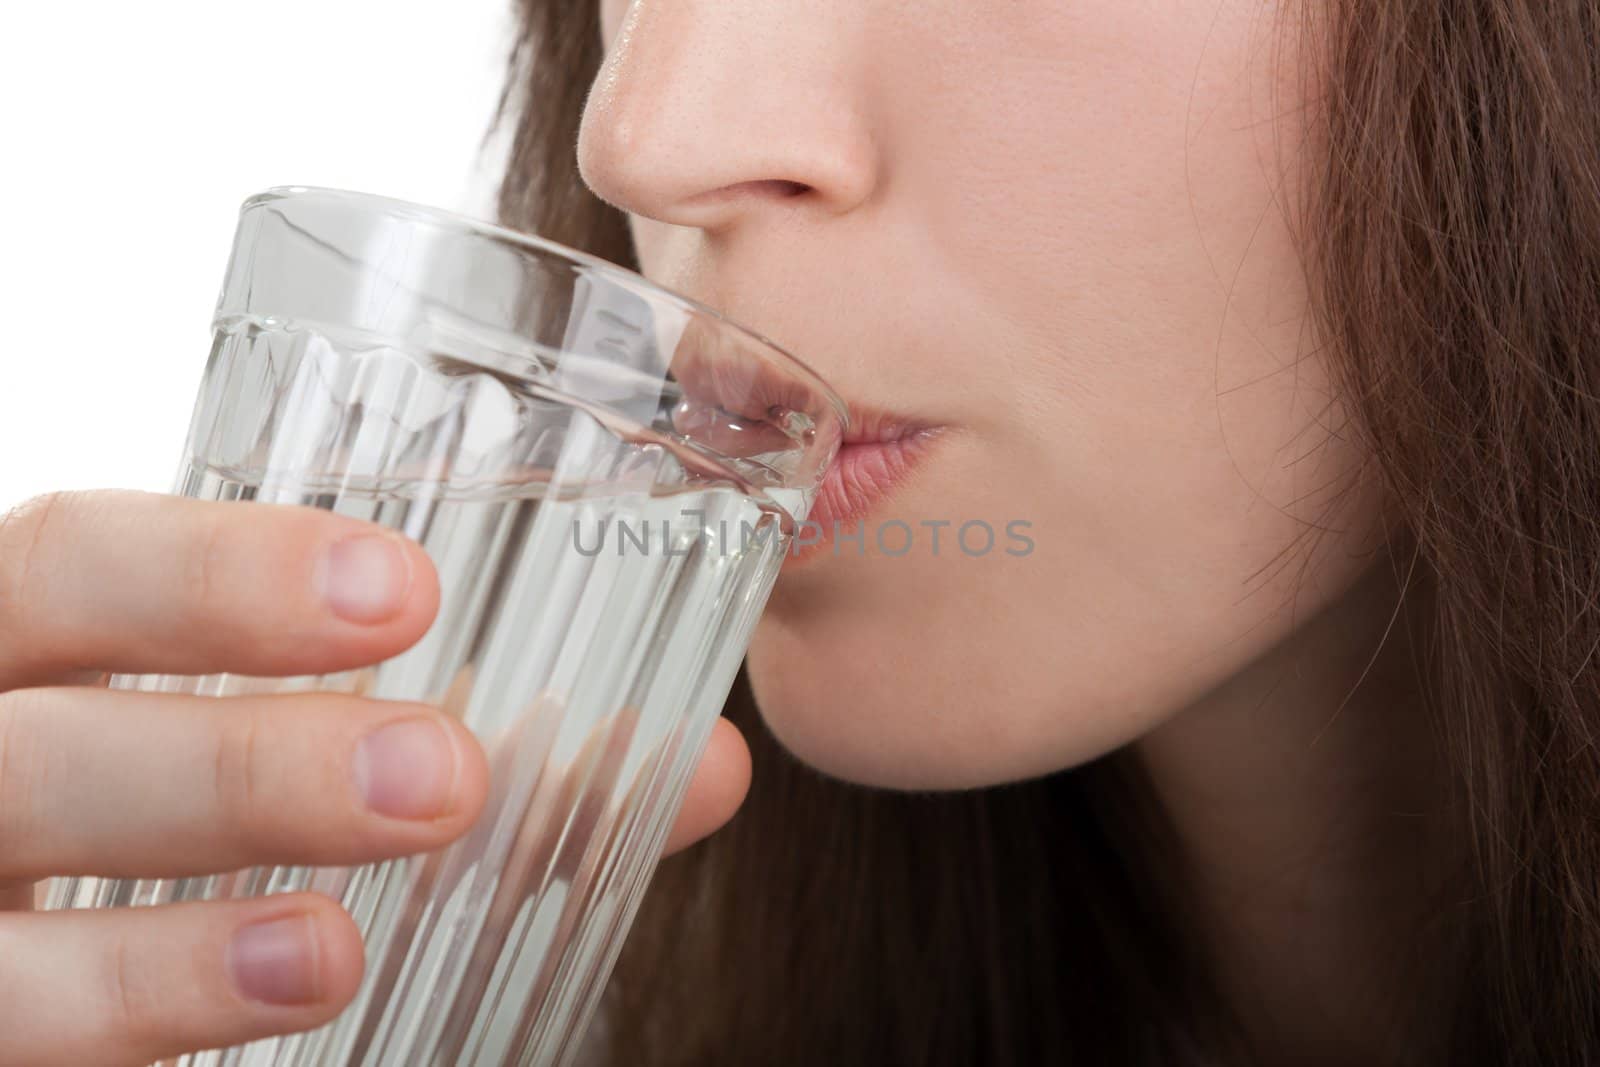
365	578
275	961
407	769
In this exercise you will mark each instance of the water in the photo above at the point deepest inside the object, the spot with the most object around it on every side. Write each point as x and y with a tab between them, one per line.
588	636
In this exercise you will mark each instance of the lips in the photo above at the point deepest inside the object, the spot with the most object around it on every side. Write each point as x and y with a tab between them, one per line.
739	404
874	458
736	401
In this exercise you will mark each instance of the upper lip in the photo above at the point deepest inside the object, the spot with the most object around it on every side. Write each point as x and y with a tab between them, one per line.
708	375
872	426
752	389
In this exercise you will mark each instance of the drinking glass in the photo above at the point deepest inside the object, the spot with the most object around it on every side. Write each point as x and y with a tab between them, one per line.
607	476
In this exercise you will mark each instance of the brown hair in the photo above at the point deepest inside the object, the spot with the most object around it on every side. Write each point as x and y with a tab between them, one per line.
1452	232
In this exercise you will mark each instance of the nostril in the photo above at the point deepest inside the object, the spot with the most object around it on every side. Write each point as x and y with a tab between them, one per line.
777	188
767	186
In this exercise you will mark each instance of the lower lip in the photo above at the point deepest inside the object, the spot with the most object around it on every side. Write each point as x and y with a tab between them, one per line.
862	474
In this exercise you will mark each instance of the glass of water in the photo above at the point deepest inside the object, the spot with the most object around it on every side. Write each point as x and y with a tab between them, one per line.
607	476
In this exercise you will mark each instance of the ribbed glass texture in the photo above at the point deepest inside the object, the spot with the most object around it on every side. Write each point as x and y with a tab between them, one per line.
607	477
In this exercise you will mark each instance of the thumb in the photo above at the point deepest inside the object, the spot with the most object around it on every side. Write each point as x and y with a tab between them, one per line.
717	789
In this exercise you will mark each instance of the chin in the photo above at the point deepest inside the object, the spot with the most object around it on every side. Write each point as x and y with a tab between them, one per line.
882	709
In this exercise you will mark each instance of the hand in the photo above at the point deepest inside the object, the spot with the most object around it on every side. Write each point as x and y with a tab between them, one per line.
123	784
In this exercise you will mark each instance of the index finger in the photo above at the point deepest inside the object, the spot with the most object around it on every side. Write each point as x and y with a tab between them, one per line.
146	583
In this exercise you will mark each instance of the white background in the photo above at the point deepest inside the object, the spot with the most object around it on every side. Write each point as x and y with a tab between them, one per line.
130	132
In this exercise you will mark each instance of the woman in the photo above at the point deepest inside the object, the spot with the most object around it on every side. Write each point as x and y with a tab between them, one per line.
1277	325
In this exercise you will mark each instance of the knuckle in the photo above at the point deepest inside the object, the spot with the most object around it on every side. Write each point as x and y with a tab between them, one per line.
24	769
132	997
24	530
237	775
205	563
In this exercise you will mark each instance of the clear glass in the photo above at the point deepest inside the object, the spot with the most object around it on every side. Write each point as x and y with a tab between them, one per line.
608	477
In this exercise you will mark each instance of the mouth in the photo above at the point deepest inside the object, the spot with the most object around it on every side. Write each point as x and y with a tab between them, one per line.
742	407
874	458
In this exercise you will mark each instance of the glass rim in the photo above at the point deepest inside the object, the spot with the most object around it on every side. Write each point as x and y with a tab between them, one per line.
545	246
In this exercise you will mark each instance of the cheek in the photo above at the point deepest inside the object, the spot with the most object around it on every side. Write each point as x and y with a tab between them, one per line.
1156	410
1153	578
1115	192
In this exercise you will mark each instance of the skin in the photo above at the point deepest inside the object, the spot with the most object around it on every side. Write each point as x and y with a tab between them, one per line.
137	582
1128	368
1060	232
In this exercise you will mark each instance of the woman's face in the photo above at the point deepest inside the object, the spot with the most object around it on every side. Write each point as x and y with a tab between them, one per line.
1057	231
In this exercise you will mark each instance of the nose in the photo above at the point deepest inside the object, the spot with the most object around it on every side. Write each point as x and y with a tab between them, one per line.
707	111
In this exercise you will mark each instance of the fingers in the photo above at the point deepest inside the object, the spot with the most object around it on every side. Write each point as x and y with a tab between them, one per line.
147	583
567	808
134	985
20	896
127	784
718	787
